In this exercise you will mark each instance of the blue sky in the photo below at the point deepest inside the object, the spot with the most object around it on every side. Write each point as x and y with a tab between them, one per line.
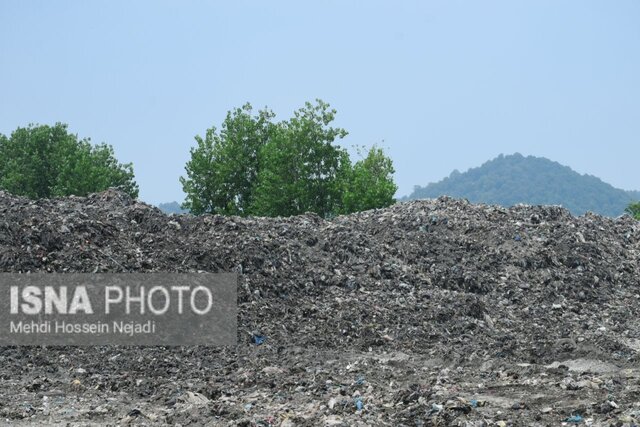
442	85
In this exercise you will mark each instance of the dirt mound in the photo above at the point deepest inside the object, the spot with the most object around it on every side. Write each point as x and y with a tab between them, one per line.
427	312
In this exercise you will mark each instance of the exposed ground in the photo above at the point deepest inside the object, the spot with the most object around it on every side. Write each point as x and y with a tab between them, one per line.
426	313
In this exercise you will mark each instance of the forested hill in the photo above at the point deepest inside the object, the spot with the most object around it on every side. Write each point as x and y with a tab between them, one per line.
512	179
172	208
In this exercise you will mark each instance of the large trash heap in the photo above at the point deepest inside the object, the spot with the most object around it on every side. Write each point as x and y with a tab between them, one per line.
435	312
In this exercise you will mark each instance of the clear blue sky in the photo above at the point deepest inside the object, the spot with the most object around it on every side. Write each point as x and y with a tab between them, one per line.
446	85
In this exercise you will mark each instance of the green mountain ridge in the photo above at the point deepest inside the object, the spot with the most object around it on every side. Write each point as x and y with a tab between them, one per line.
172	208
512	179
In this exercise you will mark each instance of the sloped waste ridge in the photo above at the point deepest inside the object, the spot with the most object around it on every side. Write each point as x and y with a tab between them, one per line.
434	312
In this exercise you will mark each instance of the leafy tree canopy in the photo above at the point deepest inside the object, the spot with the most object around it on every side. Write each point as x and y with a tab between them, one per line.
41	161
370	184
255	166
224	165
634	210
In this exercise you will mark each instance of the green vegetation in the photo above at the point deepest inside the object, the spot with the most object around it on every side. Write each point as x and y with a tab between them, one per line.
47	161
634	210
300	169
508	180
224	165
370	184
254	166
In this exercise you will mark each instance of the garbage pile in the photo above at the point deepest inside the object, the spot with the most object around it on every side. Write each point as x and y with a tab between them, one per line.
436	312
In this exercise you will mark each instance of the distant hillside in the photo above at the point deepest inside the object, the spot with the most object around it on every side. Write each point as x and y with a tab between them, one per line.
512	179
172	208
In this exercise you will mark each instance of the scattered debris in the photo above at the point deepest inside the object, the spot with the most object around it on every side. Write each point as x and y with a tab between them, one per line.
437	312
575	419
359	403
258	339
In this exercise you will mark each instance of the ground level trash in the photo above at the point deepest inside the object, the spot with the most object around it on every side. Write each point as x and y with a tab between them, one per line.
450	320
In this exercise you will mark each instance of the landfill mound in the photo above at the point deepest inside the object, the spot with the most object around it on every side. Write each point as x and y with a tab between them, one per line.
435	312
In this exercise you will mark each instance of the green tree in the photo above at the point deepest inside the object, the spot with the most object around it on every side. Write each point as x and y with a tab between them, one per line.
370	184
634	210
301	168
224	165
258	167
42	161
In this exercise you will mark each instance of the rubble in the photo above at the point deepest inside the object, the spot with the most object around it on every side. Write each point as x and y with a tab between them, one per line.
436	312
